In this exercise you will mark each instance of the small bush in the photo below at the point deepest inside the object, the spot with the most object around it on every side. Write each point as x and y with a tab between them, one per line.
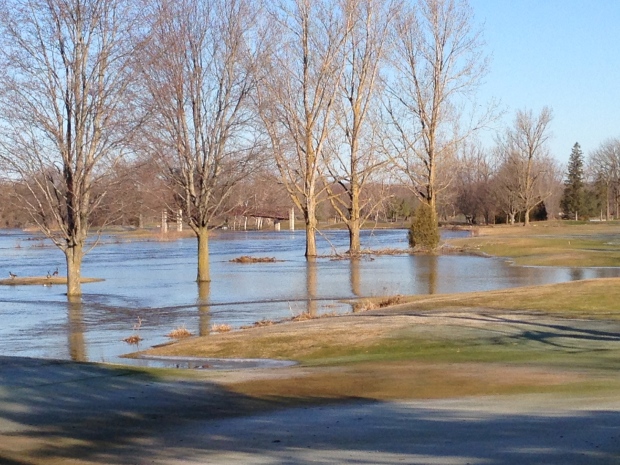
424	230
223	328
179	333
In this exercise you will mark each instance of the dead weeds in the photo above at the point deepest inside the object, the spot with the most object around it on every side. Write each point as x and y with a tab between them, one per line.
248	259
374	304
179	333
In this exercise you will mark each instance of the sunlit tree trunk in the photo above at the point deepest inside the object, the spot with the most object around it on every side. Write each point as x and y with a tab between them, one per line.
74	257
204	273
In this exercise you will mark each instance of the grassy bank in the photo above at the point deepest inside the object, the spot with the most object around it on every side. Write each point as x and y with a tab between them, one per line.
440	346
551	243
561	338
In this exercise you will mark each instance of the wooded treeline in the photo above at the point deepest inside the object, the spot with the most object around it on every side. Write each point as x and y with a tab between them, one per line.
361	110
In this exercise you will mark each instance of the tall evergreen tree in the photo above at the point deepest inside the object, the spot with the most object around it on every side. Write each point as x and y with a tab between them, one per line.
572	203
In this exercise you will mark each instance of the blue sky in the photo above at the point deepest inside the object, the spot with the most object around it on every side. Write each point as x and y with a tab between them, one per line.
561	53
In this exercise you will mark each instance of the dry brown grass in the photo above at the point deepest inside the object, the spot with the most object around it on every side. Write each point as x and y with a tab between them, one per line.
259	324
305	316
376	303
134	339
248	259
221	328
179	333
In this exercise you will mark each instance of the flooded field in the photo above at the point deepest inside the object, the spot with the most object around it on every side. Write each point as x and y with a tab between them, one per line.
150	287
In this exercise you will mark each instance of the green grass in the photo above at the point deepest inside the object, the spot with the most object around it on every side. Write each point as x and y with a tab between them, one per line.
575	245
597	298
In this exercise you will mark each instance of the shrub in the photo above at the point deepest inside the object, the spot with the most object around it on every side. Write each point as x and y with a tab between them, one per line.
424	230
179	333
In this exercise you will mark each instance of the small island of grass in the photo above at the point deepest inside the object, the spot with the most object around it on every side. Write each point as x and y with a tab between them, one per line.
42	280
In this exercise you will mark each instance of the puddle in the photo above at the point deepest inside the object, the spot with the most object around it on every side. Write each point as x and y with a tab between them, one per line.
196	363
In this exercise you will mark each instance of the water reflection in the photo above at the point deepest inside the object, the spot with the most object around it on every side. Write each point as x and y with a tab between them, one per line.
576	274
354	268
204	310
428	272
311	286
77	345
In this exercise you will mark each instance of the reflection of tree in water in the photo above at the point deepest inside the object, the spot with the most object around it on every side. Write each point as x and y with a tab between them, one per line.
311	273
204	310
428	274
577	274
77	345
355	276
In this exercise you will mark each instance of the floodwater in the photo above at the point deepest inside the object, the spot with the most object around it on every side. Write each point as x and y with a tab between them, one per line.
150	287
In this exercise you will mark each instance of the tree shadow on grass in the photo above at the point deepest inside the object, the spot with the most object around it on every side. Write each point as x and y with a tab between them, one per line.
59	411
56	409
554	332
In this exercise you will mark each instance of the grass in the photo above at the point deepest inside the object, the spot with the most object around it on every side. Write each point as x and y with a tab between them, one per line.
405	358
561	339
595	298
549	244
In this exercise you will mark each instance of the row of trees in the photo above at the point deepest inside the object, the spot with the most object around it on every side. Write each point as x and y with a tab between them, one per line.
339	101
218	89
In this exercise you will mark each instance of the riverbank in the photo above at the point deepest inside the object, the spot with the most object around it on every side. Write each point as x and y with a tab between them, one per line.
548	243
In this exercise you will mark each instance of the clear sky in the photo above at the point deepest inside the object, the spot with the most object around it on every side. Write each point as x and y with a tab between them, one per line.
561	53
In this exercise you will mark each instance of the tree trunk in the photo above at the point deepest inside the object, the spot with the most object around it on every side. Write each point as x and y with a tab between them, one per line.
310	217
354	217
354	237
526	219
74	257
204	273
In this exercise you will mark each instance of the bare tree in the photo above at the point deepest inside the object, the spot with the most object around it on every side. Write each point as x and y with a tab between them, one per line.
604	163
475	174
199	73
297	96
65	84
524	149
438	64
355	158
